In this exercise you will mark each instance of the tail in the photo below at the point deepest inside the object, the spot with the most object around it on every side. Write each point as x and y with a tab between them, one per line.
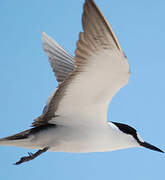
20	139
25	138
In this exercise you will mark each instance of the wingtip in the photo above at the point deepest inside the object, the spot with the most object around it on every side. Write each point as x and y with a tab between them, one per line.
44	35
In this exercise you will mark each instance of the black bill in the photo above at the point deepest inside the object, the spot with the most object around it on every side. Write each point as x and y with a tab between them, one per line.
149	146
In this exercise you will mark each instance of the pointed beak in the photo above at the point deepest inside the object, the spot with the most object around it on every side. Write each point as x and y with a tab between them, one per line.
149	146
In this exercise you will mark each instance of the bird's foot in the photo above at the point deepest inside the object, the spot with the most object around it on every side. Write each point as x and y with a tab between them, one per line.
31	156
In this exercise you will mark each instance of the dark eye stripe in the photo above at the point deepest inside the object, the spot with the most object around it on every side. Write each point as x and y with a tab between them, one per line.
127	129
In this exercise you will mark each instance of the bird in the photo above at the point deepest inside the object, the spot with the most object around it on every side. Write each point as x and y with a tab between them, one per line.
74	118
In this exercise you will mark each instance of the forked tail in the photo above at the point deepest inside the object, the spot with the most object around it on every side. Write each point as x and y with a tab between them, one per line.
23	139
19	139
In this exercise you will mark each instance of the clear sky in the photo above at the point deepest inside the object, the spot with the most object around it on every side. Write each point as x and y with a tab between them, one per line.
26	80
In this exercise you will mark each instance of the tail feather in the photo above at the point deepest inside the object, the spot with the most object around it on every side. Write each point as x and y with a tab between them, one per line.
23	139
21	135
19	139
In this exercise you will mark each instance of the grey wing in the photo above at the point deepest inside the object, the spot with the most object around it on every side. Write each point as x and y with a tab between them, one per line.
60	60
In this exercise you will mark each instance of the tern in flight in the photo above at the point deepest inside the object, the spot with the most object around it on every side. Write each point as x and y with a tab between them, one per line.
75	116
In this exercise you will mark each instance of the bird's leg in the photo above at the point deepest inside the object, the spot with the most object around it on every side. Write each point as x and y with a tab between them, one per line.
31	156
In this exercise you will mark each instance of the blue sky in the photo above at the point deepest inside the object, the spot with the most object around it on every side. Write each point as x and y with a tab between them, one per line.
27	80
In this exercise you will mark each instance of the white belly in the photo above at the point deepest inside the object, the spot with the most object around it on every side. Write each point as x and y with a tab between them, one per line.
82	139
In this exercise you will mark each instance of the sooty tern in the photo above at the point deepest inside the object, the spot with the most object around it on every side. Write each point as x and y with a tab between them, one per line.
75	116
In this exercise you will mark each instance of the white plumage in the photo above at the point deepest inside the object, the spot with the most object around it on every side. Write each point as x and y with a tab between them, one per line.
75	116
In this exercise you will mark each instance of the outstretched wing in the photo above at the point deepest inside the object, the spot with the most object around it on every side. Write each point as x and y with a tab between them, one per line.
61	61
101	70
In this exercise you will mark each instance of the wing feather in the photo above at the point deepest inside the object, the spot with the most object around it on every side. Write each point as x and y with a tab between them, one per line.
61	61
101	70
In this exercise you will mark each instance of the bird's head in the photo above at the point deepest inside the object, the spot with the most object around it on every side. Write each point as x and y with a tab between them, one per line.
131	131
